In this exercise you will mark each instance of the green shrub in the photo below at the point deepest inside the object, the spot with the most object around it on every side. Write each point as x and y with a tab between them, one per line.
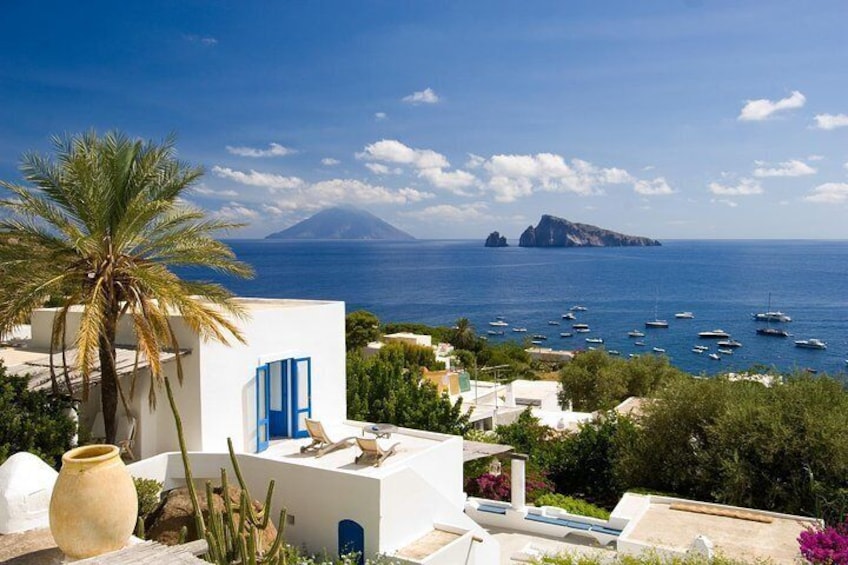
148	491
33	421
573	505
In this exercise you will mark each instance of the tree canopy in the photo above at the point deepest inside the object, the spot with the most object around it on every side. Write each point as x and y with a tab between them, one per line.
101	225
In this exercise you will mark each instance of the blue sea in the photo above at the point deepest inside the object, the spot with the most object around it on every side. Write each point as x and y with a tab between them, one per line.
721	282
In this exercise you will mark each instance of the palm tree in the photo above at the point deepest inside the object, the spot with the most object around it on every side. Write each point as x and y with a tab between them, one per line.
463	334
100	227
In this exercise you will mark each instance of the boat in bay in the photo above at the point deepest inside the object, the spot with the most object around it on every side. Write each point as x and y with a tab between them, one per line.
729	343
578	308
635	333
495	332
565	334
714	356
714	334
498	323
553	322
639	343
658	350
594	340
539	337
568	316
725	351
772	332
519	330
811	343
684	315
656	323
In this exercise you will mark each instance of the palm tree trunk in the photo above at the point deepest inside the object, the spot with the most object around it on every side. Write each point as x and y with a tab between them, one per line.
109	376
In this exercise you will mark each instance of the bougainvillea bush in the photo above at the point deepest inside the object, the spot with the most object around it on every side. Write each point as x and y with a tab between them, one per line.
825	546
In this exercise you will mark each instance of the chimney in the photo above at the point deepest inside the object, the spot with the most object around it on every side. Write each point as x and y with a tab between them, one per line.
517	486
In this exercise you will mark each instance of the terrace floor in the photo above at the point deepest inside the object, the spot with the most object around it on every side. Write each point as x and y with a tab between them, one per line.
410	443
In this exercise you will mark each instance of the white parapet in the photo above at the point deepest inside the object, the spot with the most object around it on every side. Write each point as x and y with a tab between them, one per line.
517	482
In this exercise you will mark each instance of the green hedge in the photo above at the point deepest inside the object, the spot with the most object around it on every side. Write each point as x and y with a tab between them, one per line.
573	505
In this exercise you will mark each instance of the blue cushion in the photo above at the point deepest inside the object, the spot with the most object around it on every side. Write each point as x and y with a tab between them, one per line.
605	530
491	508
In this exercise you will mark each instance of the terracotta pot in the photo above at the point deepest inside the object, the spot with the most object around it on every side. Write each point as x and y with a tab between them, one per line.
94	506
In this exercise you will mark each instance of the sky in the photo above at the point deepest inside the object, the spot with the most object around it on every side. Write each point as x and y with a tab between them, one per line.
669	119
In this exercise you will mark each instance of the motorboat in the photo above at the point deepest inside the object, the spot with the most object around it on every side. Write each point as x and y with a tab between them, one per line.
772	332
639	343
725	351
698	350
635	333
498	324
614	352
565	334
536	341
495	332
658	350
568	316
539	337
594	340
553	322
582	330
684	315
714	334
578	308
714	356
811	343
729	343
701	347
519	330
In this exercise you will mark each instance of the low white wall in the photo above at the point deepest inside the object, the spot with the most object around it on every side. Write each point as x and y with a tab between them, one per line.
316	499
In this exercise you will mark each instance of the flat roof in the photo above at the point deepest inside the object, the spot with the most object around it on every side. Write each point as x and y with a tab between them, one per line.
524	547
738	533
410	443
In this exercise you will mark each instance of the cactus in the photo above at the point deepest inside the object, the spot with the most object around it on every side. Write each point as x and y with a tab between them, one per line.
230	542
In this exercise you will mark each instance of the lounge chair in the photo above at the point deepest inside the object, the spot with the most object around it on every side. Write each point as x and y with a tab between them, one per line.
321	442
126	436
372	450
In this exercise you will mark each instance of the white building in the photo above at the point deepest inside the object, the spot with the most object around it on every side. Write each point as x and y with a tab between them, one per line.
292	367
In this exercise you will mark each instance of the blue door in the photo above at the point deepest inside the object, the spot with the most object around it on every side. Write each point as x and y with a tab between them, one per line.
301	395
279	397
262	393
352	540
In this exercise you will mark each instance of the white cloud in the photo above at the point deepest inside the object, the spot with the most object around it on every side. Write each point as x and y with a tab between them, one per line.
474	161
329	162
745	187
381	169
791	168
815	158
380	116
763	109
207	41
355	191
656	187
829	193
845	166
514	176
426	96
453	180
270	181
273	210
274	150
449	213
206	191
647	168
726	202
831	121
393	151
236	211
